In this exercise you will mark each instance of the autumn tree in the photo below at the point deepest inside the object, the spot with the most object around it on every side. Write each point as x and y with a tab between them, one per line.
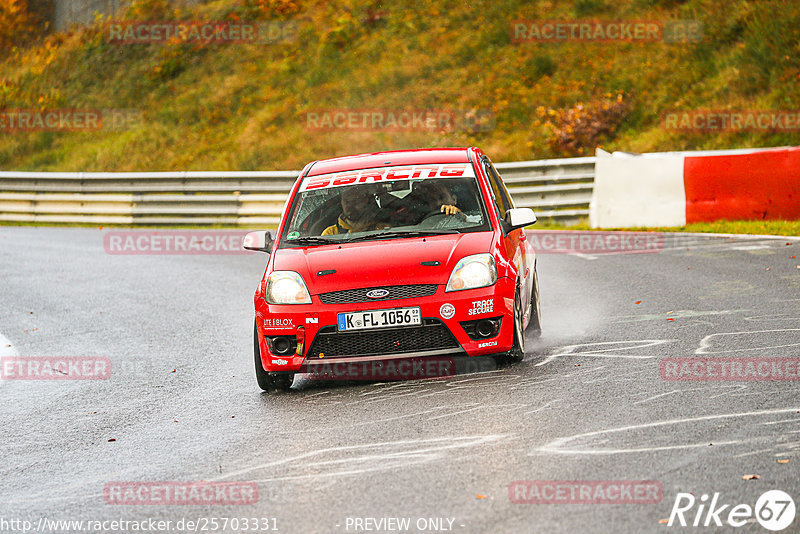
17	23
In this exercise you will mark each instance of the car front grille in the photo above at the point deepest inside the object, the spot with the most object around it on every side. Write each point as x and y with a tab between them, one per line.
431	335
350	296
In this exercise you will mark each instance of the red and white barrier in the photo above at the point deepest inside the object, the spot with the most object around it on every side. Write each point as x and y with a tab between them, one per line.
673	189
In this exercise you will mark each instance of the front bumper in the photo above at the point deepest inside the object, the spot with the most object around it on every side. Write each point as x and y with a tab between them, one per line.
448	328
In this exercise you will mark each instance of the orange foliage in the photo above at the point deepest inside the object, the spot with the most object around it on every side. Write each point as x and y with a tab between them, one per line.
281	8
16	23
581	128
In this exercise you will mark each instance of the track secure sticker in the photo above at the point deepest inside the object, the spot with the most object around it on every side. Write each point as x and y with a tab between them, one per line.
447	311
481	306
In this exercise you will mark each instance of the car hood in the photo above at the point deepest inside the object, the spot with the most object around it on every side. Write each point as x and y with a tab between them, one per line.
380	263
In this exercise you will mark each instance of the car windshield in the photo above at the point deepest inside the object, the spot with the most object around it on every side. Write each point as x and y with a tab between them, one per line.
385	203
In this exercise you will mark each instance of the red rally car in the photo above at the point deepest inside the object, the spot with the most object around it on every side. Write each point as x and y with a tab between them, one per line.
394	255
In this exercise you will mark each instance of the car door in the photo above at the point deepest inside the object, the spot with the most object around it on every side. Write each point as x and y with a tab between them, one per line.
515	242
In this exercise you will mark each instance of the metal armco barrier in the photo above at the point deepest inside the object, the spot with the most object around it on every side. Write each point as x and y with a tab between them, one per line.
558	189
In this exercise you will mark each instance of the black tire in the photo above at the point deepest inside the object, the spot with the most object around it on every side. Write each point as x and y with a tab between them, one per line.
517	352
535	323
281	381
263	378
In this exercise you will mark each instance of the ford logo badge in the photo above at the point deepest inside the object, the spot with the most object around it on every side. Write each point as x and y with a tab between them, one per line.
377	293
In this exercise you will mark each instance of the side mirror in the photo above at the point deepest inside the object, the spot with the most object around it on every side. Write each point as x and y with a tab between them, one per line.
519	218
258	241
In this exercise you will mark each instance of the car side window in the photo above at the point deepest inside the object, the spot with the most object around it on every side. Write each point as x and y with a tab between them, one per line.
501	197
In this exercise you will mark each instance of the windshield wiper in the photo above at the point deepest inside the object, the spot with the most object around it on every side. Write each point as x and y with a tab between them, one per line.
408	233
309	240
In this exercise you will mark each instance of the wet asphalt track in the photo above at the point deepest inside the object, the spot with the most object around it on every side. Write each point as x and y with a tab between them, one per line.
588	402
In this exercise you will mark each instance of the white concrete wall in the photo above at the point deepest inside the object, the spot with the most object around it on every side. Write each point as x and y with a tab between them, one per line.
638	190
67	13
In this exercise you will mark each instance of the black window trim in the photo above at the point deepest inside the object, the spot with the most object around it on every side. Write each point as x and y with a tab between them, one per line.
489	170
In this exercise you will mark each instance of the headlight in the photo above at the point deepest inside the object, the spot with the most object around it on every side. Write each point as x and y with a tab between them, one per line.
287	287
473	271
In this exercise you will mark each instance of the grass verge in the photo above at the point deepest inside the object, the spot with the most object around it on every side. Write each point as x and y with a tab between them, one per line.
778	227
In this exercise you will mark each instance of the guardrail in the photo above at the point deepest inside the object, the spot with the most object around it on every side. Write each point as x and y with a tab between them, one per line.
558	189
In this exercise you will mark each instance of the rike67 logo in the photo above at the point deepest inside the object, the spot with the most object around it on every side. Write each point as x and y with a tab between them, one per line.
774	510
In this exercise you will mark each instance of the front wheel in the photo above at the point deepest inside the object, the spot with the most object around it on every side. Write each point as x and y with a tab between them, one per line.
517	352
535	323
269	381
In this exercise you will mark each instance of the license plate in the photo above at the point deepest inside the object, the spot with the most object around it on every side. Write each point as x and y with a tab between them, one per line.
379	318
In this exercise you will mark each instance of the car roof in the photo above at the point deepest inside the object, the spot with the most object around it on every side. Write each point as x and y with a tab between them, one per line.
422	156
